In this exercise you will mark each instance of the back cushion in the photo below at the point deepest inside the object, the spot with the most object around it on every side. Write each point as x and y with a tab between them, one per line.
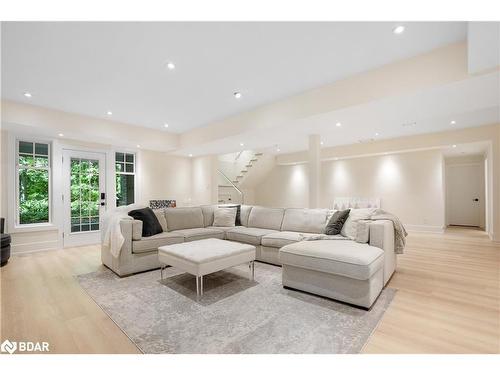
305	220
266	218
208	214
184	218
350	227
244	214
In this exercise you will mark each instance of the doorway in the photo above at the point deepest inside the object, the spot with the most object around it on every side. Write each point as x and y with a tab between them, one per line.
83	196
465	193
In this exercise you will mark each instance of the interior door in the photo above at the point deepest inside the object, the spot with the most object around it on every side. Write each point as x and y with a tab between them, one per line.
83	196
464	194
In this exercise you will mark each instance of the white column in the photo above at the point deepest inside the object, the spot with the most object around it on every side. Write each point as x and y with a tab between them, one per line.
314	158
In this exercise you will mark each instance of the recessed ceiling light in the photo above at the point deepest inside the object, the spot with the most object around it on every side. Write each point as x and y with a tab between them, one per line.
242	144
138	146
453	122
376	134
61	135
338	124
454	146
237	95
398	29
190	155
171	65
321	143
165	125
28	94
109	113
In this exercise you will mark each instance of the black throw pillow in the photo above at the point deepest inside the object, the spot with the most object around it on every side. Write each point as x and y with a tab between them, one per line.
238	212
150	224
336	222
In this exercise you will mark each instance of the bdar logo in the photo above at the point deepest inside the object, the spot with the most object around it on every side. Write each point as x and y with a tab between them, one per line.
8	347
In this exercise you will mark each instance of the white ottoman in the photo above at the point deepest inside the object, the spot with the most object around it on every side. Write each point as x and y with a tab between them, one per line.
206	256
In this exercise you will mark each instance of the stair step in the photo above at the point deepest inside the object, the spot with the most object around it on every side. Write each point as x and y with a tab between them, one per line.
244	171
259	154
254	160
240	176
248	165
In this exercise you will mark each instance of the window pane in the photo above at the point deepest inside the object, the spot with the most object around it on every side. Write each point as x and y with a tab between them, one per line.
129	168
26	147
129	158
41	149
120	156
41	161
124	189
119	167
33	196
75	166
26	160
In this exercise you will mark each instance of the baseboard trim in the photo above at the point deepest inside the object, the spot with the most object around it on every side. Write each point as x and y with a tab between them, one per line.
33	247
424	228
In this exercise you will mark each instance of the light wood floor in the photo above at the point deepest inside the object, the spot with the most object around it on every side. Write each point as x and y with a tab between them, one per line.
447	301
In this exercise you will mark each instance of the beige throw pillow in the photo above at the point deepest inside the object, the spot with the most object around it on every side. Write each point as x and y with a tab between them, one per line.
351	225
160	215
363	231
225	217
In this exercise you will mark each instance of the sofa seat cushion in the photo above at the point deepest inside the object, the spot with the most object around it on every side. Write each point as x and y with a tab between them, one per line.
252	236
195	234
152	243
280	239
340	257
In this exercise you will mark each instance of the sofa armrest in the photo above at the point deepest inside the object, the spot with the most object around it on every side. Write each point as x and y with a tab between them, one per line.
382	236
127	229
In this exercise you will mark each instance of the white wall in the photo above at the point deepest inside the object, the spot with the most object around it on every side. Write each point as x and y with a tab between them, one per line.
409	184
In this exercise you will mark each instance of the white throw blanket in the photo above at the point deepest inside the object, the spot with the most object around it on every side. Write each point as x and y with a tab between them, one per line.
112	237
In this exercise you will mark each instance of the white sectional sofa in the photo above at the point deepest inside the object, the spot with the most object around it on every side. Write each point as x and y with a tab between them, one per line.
341	269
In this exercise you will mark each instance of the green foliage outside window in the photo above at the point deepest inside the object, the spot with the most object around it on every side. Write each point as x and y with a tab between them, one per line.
33	162
125	178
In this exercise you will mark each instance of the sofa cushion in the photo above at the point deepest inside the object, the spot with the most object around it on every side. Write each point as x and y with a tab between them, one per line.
280	239
237	220
340	257
194	234
304	220
152	243
208	214
150	224
351	225
184	218
252	236
225	217
266	218
244	214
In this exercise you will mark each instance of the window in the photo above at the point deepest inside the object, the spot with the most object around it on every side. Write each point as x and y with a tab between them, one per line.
33	180
125	178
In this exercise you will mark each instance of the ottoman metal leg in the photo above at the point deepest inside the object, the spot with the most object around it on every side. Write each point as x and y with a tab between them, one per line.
199	286
161	271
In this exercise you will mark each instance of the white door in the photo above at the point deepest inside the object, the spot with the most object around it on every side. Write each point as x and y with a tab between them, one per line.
464	185
83	196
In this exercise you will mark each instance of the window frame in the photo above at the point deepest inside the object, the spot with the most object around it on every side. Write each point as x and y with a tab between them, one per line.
17	168
125	152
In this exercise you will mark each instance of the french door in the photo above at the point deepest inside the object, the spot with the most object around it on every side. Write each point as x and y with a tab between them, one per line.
83	196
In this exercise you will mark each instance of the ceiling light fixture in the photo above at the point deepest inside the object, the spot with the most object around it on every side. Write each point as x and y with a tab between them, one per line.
237	95
171	65
376	134
138	146
190	155
28	94
454	146
398	29
109	113
242	144
453	122
165	125
321	143
61	135
278	149
338	124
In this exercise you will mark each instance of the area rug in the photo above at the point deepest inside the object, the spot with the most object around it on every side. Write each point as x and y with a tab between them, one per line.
235	315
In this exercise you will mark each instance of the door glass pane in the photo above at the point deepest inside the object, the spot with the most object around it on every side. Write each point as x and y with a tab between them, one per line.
84	185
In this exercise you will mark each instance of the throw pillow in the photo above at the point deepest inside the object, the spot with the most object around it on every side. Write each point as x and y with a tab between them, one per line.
336	222
238	212
350	227
160	215
150	224
363	231
225	217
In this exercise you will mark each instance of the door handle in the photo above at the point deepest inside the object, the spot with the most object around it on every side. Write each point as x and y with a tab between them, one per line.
475	200
103	199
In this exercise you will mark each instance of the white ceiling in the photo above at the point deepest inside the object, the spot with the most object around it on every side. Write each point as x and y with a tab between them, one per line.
90	68
471	102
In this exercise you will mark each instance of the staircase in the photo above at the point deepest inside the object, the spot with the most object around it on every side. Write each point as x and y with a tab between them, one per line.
231	180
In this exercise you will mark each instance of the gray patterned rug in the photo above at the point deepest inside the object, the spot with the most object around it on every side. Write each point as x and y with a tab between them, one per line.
235	315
